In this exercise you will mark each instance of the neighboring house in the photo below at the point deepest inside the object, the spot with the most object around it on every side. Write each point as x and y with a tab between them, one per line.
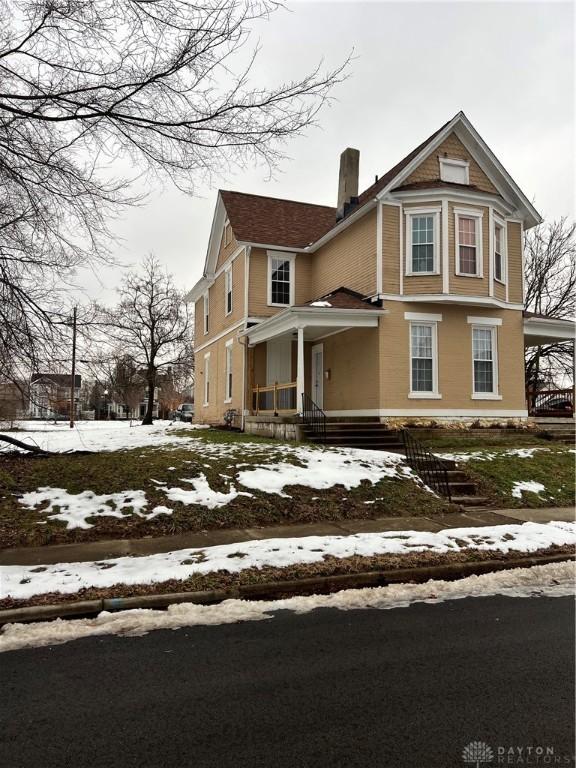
13	400
404	301
50	395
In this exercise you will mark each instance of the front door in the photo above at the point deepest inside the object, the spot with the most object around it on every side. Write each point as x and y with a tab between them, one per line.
317	375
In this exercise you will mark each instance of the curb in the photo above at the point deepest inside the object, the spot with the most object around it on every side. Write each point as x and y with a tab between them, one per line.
276	589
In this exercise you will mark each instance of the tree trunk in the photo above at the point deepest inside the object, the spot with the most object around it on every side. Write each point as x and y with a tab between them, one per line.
151	379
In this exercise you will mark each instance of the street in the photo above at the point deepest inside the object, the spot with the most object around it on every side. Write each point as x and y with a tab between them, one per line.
403	688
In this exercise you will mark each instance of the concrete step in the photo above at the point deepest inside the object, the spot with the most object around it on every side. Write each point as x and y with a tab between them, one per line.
467	501
463	488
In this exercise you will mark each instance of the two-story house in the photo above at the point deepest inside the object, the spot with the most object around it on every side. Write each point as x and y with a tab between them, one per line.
50	395
403	301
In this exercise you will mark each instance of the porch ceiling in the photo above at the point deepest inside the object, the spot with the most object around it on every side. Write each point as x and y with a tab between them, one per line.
541	330
315	322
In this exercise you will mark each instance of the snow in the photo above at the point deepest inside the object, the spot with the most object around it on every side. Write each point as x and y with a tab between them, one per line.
324	469
521	453
553	580
203	494
530	486
99	435
75	508
22	582
320	304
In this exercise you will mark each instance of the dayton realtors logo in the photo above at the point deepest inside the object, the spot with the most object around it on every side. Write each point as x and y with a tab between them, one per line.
477	753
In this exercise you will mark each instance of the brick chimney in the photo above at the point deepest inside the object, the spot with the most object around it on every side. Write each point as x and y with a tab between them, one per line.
347	181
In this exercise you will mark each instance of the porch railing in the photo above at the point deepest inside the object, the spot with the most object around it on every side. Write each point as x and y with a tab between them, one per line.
431	470
274	399
551	402
313	416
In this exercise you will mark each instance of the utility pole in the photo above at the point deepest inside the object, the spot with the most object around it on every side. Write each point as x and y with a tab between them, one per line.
73	382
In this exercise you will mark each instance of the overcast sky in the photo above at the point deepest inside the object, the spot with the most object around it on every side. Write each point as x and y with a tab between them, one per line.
509	66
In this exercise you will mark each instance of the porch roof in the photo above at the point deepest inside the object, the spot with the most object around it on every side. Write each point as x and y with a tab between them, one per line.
541	329
340	310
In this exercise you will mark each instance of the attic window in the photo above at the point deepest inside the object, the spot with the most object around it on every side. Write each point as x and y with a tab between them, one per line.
454	171
227	233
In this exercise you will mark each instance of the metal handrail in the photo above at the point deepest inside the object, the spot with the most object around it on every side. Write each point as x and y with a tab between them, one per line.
313	416
430	468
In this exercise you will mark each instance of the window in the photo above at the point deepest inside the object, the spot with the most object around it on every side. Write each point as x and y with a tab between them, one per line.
499	252
227	233
280	279
422	242
469	244
228	289
228	383
483	360
454	171
422	357
206	312
207	378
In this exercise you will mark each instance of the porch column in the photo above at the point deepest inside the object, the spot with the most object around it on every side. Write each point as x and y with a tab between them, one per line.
300	370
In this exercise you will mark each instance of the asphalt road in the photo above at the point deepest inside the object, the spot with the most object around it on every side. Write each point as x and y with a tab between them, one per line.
402	688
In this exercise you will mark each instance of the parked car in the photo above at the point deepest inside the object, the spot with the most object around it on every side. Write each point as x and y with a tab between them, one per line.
184	412
557	406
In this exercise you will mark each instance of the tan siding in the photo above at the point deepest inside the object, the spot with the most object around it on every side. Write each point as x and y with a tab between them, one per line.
345	355
218	320
348	260
454	355
499	290
425	284
225	251
214	412
391	248
429	169
469	286
514	231
258	293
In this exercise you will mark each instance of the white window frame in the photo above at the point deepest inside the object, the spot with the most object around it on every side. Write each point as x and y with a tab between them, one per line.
206	379
227	233
451	162
478	216
486	324
206	311
433	324
228	377
415	213
497	222
291	257
228	290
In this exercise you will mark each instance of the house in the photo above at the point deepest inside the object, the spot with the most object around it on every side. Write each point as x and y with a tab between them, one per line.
50	395
13	400
405	301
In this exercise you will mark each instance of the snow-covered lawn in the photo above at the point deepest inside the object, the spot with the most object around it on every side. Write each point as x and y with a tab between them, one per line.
313	468
520	453
553	580
22	582
98	435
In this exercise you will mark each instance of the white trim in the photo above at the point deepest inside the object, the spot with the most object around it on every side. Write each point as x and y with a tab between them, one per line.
206	311
495	394
438	298
454	163
228	371
458	413
228	263
410	213
424	317
477	216
484	320
227	229
452	194
522	257
445	248
432	394
228	290
206	380
320	401
246	279
401	240
218	336
379	261
290	257
491	250
497	221
332	333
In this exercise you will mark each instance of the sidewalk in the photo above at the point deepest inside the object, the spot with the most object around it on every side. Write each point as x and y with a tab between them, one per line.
102	550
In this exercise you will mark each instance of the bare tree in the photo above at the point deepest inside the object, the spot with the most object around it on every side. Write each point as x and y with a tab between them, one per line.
550	283
151	323
91	89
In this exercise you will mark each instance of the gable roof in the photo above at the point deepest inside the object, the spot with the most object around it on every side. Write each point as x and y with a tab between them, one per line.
59	379
272	220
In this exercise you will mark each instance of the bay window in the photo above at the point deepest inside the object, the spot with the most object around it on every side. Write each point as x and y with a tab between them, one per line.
499	252
422	242
468	229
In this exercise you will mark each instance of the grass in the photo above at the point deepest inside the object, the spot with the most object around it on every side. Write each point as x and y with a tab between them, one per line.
135	470
330	566
447	442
